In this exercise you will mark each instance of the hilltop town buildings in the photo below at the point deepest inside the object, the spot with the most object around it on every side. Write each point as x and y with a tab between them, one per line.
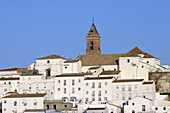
91	83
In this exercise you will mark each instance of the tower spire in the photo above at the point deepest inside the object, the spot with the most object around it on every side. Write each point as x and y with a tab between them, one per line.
93	29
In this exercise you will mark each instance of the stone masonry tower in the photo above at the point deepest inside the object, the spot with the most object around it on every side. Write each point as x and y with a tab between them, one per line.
93	42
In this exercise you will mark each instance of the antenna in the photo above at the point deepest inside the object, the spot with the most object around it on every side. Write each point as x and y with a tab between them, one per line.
93	20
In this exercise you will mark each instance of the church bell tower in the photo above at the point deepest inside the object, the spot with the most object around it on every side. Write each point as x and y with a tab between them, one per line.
93	42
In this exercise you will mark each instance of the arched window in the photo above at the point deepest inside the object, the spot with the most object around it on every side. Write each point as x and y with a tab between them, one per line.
91	45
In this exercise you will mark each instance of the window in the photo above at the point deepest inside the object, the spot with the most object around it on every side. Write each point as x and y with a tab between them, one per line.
123	98
87	99
5	101
93	99
65	67
48	72
5	89
105	91
156	108
79	89
29	87
143	108
73	82
73	90
91	45
54	106
133	104
123	88
4	82
164	108
147	62
9	82
105	98
99	86
99	99
48	61
93	93
129	98
58	81
58	89
15	103
105	83
135	86
79	80
128	60
64	82
65	106
93	85
64	90
133	111
117	87
142	66
47	106
129	88
99	94
35	103
86	84
87	92
4	109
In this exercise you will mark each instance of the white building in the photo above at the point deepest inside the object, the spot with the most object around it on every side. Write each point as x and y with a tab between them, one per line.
17	103
36	83
8	85
49	65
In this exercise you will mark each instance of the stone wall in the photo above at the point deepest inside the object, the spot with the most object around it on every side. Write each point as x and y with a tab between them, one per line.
162	81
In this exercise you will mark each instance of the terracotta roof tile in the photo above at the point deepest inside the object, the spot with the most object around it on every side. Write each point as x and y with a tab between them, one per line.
128	80
16	78
19	70
51	57
97	78
25	95
109	59
102	108
73	74
109	72
146	83
35	110
71	61
94	68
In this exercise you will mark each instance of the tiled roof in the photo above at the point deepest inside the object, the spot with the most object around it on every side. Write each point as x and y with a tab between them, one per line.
97	78
94	68
16	78
35	110
109	72
101	108
19	70
51	57
12	93
73	74
25	95
31	74
71	61
109	59
93	29
97	60
149	82
128	80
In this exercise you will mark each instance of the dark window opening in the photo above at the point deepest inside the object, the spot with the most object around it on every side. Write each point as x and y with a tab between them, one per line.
65	106
48	73
54	106
91	45
143	108
47	106
133	111
164	108
128	60
48	61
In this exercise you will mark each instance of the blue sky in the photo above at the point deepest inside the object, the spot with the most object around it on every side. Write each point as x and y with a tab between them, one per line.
30	29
